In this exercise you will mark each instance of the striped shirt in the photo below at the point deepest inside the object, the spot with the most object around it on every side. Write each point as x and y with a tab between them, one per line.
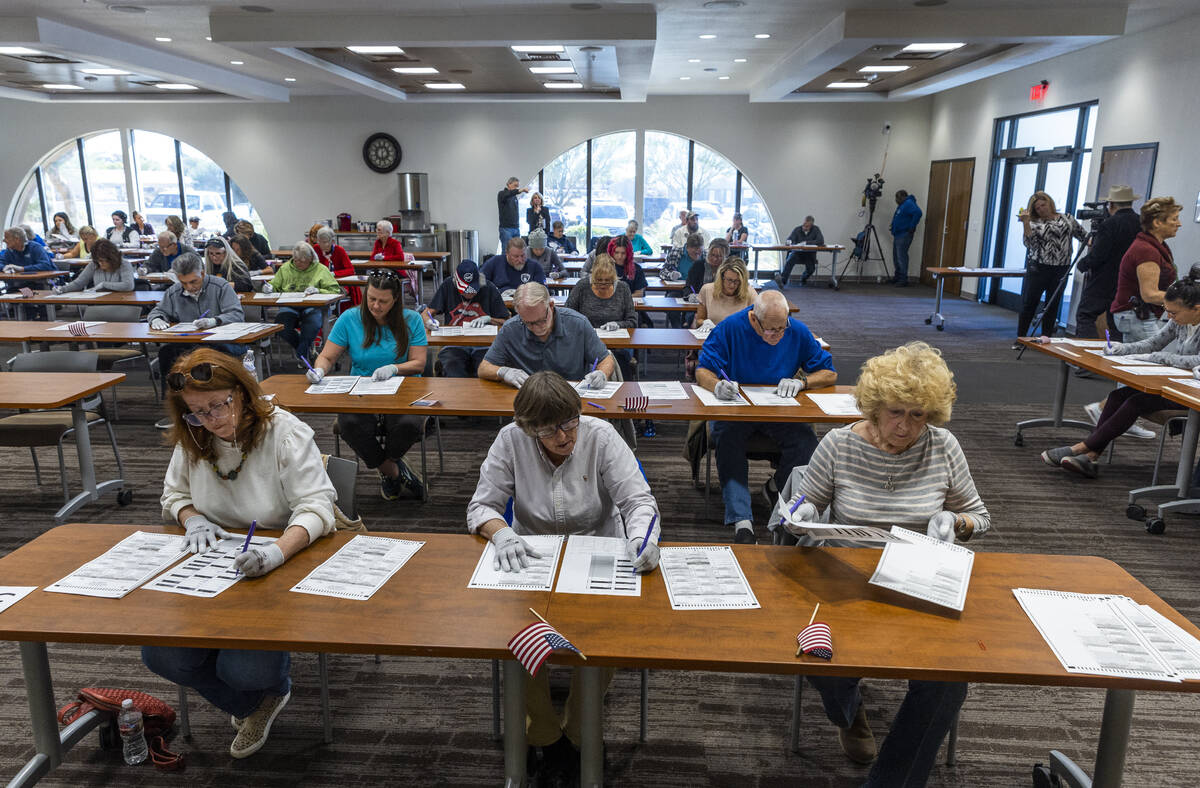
864	485
1049	241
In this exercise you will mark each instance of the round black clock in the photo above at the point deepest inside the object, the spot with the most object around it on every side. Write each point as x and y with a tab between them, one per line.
381	152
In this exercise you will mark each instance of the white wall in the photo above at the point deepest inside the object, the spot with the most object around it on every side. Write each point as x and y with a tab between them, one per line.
302	161
1147	90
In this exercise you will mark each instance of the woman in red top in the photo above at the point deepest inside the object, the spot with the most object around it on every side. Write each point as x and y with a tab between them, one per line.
335	259
1147	270
386	247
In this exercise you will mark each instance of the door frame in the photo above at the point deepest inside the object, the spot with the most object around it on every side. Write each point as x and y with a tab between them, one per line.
953	286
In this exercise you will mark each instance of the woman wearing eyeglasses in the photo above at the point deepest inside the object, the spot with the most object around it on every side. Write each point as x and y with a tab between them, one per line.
384	340
565	474
238	458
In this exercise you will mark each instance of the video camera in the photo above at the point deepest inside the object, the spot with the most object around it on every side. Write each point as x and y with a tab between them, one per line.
1095	212
874	188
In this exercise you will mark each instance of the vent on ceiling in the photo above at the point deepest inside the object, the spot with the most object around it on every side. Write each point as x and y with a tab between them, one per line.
902	55
46	59
390	59
540	57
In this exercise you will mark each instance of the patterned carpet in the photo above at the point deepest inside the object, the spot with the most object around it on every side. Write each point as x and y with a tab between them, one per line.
410	721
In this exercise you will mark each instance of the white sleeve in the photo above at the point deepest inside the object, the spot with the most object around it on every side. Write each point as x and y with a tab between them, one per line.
627	486
177	487
306	485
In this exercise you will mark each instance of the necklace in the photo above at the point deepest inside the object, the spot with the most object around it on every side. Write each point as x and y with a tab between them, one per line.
228	477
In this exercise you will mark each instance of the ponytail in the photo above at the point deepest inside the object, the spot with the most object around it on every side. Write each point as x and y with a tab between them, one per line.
1187	289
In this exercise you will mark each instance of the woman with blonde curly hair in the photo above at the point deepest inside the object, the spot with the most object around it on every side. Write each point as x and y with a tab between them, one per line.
896	466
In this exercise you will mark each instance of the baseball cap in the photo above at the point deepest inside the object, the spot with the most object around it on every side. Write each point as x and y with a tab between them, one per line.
466	277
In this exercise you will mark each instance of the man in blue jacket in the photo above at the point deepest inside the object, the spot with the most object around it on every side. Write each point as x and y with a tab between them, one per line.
904	223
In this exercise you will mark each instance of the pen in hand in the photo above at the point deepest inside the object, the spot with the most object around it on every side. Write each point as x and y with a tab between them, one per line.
646	538
793	508
249	536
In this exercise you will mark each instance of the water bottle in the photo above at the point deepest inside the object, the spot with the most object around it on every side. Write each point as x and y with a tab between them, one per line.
133	741
248	363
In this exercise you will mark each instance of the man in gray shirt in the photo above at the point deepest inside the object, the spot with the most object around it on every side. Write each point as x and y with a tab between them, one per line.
542	337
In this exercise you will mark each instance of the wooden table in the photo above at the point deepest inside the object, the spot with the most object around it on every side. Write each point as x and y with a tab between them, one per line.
639	339
45	390
834	250
139	298
940	275
33	276
648	304
653	283
1179	497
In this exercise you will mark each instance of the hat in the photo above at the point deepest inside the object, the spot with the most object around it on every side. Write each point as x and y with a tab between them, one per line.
124	218
693	215
466	277
193	219
1121	193
216	242
537	239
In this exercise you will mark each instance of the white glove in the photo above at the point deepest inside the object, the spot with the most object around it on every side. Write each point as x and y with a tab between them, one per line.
611	325
512	552
203	534
480	322
310	290
259	560
142	270
692	298
57	289
595	379
159	324
789	387
707	325
672	276
513	376
378	256
1196	373
11	269
726	389
205	323
647	560
386	372
941	526
267	288
509	293
315	375
792	521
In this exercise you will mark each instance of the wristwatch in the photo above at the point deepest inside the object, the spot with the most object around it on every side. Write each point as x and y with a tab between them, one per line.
964	527
802	376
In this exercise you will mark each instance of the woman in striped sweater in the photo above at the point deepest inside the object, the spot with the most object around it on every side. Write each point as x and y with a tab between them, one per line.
896	466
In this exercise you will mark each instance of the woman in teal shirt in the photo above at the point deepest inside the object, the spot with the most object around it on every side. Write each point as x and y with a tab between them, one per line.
384	340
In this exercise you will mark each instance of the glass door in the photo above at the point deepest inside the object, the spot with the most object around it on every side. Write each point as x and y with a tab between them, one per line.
1022	181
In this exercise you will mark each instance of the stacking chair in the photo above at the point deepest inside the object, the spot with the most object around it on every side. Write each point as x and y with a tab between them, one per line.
759	447
429	421
110	356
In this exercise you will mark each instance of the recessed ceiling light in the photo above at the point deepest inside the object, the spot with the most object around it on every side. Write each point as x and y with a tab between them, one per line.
18	51
237	62
739	60
563	85
537	49
762	35
289	79
445	86
723	77
684	79
552	69
883	69
415	70
105	72
932	47
693	60
848	85
710	70
163	39
708	36
55	86
122	8
372	49
175	86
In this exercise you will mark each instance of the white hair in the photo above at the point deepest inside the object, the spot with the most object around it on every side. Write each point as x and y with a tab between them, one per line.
385	224
767	300
531	294
304	251
232	267
187	264
167	235
326	234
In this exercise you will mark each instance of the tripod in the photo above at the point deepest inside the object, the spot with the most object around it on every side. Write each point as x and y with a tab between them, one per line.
1062	284
863	249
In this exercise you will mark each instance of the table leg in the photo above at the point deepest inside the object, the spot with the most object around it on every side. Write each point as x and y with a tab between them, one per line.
514	724
1114	738
43	714
87	469
591	729
937	303
1182	488
1056	419
833	275
756	267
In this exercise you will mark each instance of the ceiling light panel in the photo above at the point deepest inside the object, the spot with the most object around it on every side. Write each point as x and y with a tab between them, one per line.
933	47
538	48
883	69
374	49
56	86
848	85
415	70
445	86
175	86
551	69
563	85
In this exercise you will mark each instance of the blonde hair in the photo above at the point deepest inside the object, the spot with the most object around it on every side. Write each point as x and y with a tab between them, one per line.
742	296
1040	196
603	267
913	374
1158	209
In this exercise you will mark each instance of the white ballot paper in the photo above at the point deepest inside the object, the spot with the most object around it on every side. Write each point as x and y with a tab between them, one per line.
616	333
11	595
359	568
846	533
1084	343
597	565
765	395
700	333
231	331
1190	382
1125	361
290	298
836	404
1088	634
925	568
180	328
466	331
610	388
705	578
1180	650
710	399
538	576
67	327
82	295
1153	369
662	389
206	574
124	566
365	386
336	384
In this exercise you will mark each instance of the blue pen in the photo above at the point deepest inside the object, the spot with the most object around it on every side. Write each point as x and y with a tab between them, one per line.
722	371
595	364
249	535
794	507
310	366
594	405
206	311
1107	341
646	538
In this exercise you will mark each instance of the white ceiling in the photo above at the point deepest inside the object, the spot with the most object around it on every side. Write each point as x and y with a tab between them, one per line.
652	42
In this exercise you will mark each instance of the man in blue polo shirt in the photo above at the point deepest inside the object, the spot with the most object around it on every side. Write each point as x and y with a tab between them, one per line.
511	269
761	345
23	256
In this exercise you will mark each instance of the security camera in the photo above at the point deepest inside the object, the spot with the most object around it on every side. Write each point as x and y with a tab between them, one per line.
887	128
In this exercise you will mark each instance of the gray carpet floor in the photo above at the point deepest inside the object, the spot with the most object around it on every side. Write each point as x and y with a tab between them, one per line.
410	721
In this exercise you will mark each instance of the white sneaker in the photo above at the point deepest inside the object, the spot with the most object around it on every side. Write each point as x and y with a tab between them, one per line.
1141	432
1092	409
163	423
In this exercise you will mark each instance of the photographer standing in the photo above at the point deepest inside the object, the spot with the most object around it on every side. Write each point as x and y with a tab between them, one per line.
1047	241
1113	237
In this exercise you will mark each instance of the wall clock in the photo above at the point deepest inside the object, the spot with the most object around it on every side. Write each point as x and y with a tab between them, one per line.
381	152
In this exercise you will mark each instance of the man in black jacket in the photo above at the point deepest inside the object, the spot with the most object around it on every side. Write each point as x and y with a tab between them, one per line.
1103	262
506	204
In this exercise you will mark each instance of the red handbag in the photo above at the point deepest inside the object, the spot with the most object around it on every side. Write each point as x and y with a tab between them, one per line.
157	719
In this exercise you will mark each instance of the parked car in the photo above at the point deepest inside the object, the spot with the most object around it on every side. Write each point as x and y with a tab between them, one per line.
207	205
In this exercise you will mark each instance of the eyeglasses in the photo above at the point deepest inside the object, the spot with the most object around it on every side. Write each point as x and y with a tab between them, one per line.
774	331
382	277
201	373
603	284
215	413
548	432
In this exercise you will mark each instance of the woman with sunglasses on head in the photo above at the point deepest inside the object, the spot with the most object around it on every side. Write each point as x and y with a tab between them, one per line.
237	458
384	340
220	260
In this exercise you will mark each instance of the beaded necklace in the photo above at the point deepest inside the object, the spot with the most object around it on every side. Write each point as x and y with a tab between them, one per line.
228	477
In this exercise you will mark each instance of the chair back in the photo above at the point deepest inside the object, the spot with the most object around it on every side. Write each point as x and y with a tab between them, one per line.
343	474
55	361
113	313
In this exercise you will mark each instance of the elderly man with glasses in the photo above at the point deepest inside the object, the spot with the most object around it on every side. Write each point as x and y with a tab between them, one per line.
760	345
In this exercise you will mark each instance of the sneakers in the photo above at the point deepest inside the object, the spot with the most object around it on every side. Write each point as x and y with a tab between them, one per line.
163	423
743	533
1015	346
411	480
1141	432
390	488
1081	464
255	728
1054	457
237	722
857	741
648	430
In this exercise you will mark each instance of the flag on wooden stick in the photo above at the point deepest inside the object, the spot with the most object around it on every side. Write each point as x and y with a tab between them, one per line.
534	644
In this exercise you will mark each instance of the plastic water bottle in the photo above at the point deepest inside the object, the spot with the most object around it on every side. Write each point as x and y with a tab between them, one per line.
248	363
132	737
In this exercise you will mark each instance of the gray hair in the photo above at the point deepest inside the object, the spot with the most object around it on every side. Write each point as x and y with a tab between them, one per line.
305	251
531	294
632	223
326	234
29	233
384	223
768	300
167	235
516	241
19	232
187	264
809	219
537	239
233	266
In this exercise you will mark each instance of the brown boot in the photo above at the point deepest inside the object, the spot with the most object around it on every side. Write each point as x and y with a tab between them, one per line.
857	741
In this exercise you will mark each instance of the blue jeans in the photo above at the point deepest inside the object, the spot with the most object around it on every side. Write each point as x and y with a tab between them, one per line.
907	754
900	244
461	362
233	680
796	444
310	320
506	234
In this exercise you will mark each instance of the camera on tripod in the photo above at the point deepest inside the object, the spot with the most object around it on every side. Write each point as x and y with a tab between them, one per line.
874	188
1095	212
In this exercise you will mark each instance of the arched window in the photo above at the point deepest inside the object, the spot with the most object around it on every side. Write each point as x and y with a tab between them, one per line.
129	169
596	187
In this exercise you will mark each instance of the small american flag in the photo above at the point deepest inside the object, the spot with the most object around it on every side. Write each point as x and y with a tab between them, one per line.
534	644
816	640
77	329
26	292
637	403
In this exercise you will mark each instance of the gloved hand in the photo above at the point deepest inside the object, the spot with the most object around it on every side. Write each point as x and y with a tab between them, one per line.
386	372
726	389
707	325
310	290
378	256
203	534
512	552
57	289
611	325
941	526
513	376
205	323
509	293
315	375
789	387
480	322
142	270
595	379
672	276
792	521
557	275
259	560
692	298
159	324
1196	373
648	559
11	269
267	288
1114	350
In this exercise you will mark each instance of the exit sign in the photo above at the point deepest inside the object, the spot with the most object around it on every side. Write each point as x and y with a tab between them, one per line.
1037	93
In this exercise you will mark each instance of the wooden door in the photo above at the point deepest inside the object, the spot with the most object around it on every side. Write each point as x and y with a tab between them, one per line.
935	220
949	208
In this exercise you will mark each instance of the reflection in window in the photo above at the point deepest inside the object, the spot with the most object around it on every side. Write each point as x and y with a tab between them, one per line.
29	207
666	185
564	188
106	176
157	179
62	185
614	169
714	180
